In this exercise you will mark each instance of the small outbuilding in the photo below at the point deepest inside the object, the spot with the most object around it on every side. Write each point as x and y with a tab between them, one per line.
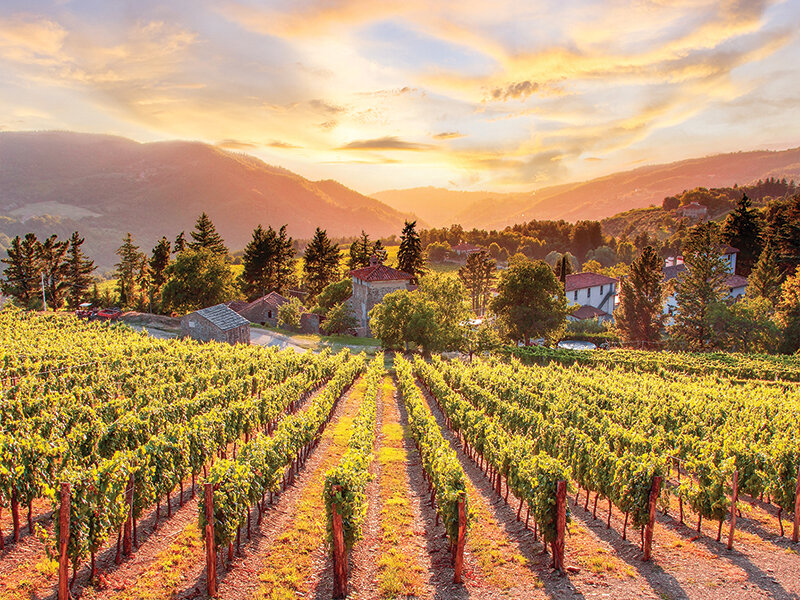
216	323
263	310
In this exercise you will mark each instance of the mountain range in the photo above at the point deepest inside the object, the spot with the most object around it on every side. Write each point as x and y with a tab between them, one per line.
595	199
105	186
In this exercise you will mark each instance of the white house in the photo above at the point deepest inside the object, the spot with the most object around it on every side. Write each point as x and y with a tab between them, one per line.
596	294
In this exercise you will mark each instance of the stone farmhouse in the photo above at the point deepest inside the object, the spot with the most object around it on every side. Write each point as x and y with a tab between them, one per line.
595	294
370	285
216	323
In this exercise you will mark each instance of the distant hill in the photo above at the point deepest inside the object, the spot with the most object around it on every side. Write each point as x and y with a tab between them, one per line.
595	199
104	186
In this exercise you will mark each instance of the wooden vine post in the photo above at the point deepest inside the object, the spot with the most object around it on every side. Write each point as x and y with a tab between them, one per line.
127	531
63	543
211	548
561	526
458	562
734	498
339	550
651	517
796	530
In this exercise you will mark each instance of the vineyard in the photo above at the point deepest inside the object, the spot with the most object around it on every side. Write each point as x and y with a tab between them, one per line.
132	467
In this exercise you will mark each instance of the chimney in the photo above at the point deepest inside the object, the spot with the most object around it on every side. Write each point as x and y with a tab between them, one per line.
373	260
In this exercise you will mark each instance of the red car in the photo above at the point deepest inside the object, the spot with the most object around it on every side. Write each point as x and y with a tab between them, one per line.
108	314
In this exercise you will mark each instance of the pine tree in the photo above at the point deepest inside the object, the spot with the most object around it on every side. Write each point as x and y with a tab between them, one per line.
180	243
21	278
700	286
788	313
360	252
78	272
478	274
765	278
53	266
128	270
743	230
410	257
205	236
268	263
321	263
159	262
639	316
380	252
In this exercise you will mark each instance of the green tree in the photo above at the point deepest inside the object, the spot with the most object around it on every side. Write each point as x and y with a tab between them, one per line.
478	275
379	251
494	250
437	251
530	301
205	236
480	339
447	296
403	320
78	271
289	314
340	319
157	272
640	314
21	278
333	294
788	313
180	243
744	326
128	270
410	257
268	263
765	278
197	279
320	263
52	254
360	252
565	267
742	229
699	287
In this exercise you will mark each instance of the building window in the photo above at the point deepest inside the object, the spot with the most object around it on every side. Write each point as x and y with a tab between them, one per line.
602	287
269	314
589	293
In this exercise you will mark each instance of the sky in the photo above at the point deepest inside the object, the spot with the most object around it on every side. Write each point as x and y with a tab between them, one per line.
382	94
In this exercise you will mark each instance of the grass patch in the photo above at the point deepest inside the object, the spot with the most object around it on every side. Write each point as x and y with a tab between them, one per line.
290	558
163	577
399	573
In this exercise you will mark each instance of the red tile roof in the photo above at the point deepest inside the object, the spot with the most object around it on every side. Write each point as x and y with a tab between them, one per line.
579	281
588	312
730	250
380	273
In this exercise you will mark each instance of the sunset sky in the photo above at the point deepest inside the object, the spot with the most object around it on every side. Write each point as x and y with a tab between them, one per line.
398	93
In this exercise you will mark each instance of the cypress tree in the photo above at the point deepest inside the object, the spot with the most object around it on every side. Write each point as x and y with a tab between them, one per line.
639	316
180	243
321	263
743	230
78	272
205	236
51	261
128	270
360	252
410	257
477	276
379	251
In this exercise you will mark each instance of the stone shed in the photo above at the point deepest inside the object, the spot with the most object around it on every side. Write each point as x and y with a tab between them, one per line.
216	323
263	310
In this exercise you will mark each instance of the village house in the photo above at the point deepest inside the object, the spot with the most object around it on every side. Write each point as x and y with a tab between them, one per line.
263	310
596	294
693	210
370	285
216	323
464	250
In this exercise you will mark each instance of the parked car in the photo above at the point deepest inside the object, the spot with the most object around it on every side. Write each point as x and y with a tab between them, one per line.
85	311
108	314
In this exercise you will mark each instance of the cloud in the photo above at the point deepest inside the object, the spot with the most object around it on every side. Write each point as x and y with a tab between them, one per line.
448	135
284	145
385	143
326	107
236	145
514	91
328	125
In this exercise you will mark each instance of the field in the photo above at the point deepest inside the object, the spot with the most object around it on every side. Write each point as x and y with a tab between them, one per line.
294	468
